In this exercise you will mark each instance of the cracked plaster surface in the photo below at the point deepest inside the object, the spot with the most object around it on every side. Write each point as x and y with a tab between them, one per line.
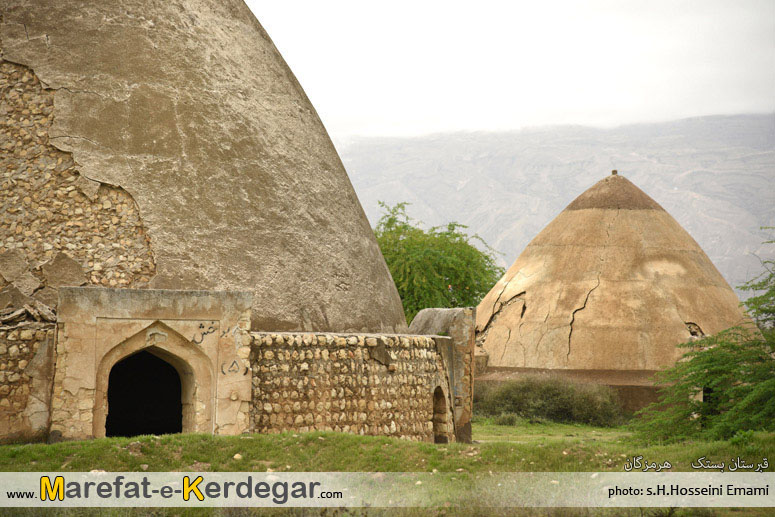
607	285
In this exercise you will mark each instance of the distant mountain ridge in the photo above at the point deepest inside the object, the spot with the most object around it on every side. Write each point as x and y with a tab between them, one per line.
715	175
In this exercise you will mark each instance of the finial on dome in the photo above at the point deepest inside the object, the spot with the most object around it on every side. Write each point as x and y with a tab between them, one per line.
614	172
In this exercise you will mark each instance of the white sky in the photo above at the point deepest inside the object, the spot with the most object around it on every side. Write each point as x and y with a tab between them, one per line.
413	67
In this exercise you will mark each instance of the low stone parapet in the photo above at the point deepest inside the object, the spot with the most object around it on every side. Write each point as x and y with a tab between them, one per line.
370	384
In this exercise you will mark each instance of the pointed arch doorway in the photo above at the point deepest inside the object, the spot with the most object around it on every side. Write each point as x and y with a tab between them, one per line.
144	397
155	382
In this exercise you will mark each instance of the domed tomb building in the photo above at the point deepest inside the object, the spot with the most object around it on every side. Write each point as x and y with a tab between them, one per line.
604	294
166	187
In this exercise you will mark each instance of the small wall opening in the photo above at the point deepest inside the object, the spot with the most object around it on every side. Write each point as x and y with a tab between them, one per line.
144	397
440	427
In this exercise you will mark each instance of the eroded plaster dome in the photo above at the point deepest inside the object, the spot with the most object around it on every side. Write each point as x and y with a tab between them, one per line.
168	145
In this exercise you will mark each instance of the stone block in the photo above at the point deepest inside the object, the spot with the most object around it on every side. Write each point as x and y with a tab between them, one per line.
26	283
63	271
13	264
11	296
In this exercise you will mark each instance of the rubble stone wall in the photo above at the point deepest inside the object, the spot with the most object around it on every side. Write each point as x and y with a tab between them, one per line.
357	383
26	371
57	227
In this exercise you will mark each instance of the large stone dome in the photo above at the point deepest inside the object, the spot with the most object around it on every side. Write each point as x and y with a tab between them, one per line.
167	144
612	284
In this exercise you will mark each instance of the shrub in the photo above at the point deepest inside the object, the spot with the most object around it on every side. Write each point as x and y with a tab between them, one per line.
481	392
552	399
724	385
506	419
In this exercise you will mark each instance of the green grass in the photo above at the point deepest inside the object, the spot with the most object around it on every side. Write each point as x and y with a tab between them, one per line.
522	447
470	511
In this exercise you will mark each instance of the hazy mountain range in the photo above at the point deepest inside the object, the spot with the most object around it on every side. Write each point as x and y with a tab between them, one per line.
715	175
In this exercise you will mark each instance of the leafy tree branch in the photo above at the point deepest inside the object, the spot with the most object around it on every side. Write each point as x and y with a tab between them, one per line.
438	267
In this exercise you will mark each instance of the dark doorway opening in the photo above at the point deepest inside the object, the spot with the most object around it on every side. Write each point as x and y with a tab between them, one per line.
143	397
440	423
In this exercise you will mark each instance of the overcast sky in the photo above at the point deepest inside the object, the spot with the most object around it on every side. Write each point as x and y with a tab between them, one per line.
415	67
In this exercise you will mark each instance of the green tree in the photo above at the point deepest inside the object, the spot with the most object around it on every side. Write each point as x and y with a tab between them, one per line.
761	306
438	267
725	383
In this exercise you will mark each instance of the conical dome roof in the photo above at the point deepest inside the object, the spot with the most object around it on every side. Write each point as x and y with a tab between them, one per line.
167	144
612	283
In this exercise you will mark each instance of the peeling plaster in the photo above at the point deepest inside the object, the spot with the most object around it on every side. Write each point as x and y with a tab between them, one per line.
211	135
28	98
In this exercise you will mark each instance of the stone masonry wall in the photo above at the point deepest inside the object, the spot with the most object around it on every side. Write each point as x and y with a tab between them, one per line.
364	384
26	371
56	226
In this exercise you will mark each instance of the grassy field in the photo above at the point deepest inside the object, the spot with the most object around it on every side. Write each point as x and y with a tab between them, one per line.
522	447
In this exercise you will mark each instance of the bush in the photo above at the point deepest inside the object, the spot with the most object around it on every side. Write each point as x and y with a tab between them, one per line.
506	419
724	385
482	391
552	399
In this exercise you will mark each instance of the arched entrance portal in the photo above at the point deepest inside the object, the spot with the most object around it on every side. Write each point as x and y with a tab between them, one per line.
144	397
194	371
440	427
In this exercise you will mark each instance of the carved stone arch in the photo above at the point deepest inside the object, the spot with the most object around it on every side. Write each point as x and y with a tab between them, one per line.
194	367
